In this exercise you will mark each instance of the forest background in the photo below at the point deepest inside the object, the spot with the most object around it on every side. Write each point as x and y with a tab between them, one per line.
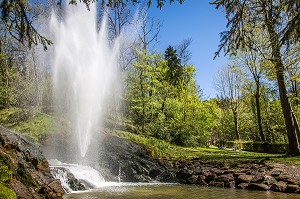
257	102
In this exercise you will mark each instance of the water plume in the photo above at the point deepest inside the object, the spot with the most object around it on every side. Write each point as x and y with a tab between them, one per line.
84	70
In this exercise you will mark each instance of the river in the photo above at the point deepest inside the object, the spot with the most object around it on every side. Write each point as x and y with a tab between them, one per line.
173	191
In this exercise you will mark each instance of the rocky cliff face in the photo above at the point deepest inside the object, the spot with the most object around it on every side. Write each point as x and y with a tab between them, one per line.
30	173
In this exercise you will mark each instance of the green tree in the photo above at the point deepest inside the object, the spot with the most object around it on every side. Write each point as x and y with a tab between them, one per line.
229	85
253	62
174	73
17	16
280	20
166	111
139	88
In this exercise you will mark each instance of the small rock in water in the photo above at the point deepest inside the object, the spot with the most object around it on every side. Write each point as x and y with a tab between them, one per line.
242	185
278	187
258	186
291	188
230	184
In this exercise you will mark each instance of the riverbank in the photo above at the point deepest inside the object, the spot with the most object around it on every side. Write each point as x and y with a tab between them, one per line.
277	177
224	168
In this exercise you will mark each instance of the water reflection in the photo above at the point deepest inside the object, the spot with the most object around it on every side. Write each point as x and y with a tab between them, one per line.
174	191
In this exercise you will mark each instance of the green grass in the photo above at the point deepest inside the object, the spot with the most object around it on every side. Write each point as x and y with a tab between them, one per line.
11	117
27	121
161	149
37	127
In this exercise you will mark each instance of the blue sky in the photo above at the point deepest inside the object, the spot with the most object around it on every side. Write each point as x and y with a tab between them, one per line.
200	21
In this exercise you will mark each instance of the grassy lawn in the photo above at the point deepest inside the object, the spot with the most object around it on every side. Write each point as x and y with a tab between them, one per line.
161	149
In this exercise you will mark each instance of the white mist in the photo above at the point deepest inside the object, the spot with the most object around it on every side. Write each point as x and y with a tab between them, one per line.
84	69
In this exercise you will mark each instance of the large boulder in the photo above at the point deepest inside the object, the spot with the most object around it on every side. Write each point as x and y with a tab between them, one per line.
31	177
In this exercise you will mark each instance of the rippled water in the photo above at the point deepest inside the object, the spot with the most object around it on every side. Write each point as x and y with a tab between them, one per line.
174	191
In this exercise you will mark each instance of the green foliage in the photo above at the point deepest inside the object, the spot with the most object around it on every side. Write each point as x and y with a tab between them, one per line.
174	69
37	127
277	21
163	101
21	83
265	147
6	175
6	193
17	16
30	122
11	117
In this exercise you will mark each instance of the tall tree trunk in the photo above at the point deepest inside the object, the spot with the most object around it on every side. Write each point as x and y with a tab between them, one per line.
235	118
258	112
296	126
293	145
287	112
143	101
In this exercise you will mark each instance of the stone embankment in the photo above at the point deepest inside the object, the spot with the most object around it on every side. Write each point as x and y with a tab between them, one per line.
30	173
277	177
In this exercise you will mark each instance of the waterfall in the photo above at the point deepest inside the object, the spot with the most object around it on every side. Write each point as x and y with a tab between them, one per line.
75	177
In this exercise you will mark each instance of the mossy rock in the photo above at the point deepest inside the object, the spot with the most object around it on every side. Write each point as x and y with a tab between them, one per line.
6	193
5	174
4	160
25	176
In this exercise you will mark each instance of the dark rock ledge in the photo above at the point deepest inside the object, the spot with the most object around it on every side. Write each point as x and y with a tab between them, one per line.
31	176
277	177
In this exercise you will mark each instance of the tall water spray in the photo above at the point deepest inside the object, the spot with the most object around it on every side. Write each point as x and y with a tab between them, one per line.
84	70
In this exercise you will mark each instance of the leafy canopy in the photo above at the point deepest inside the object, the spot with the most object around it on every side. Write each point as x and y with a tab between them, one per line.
17	17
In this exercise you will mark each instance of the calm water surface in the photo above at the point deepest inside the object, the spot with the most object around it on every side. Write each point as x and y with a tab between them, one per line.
174	191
